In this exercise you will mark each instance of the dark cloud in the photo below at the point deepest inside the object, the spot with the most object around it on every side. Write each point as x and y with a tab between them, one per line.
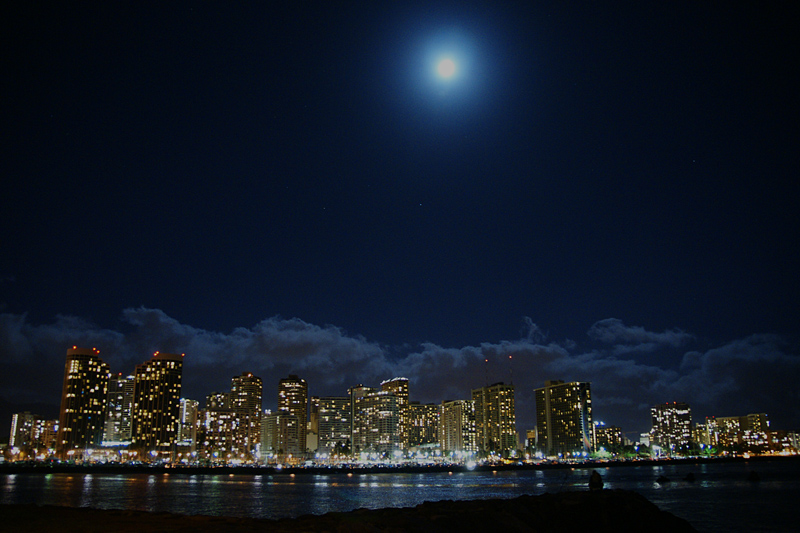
756	374
32	356
635	338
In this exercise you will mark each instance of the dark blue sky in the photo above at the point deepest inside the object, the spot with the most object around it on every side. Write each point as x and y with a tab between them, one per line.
622	167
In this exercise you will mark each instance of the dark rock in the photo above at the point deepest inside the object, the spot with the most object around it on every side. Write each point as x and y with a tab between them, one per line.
596	511
595	481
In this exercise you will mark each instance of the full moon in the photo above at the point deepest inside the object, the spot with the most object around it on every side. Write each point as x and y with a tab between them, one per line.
446	68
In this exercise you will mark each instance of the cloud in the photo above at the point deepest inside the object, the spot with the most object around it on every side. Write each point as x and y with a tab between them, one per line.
629	339
755	374
272	349
532	332
32	356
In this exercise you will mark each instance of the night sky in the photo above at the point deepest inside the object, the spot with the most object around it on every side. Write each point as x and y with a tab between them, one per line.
604	192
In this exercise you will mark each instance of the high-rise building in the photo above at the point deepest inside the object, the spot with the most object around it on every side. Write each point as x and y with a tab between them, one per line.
375	421
530	439
359	421
293	398
45	433
672	426
215	427
399	387
312	440
724	431
457	430
334	425
280	437
758	422
187	428
22	428
564	418
728	432
119	410
218	400
495	418
156	405
383	423
269	436
217	434
423	424
607	437
246	403
83	399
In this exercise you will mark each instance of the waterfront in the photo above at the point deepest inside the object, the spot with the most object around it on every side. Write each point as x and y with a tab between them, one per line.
720	498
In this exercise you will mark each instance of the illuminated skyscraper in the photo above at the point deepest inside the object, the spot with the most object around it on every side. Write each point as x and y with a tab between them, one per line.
83	400
22	428
156	404
564	418
672	426
383	423
187	429
399	387
423	424
280	438
246	403
313	414
375	421
218	400
607	437
119	410
334	424
728	432
358	418
457	431
293	398
217	432
312	440
495	418
215	426
45	433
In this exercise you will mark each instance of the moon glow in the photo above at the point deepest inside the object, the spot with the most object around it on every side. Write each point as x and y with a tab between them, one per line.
446	68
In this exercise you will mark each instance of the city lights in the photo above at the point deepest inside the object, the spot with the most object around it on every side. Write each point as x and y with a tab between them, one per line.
141	417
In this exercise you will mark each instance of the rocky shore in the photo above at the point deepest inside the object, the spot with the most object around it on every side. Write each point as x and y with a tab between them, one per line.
591	511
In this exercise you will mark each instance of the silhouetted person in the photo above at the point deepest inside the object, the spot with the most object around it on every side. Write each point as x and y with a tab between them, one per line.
595	481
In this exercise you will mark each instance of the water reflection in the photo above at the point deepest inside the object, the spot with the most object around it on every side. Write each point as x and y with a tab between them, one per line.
267	496
86	492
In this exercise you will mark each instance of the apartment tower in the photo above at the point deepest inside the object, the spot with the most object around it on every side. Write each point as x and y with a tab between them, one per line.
157	405
564	418
83	401
495	418
245	397
293	399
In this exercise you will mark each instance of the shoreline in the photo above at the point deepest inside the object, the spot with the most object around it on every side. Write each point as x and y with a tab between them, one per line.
601	510
261	470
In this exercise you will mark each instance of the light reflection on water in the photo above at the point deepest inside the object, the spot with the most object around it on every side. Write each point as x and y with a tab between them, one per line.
721	498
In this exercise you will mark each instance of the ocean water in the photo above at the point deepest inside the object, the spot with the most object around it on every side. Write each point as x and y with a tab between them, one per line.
720	499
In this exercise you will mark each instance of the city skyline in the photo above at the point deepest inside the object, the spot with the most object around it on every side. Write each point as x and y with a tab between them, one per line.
291	389
233	428
599	193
